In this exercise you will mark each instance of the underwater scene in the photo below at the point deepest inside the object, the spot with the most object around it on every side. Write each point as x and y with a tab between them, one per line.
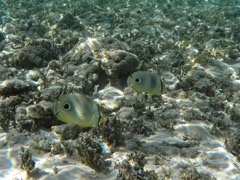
120	89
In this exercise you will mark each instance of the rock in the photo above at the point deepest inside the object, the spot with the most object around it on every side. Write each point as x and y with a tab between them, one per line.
4	71
113	62
202	81
139	158
232	142
52	93
46	141
126	113
67	131
140	126
89	151
113	133
120	63
27	163
54	65
7	111
190	152
21	119
180	144
33	56
81	77
69	21
205	86
41	114
184	170
110	98
33	116
84	51
1	36
134	171
16	86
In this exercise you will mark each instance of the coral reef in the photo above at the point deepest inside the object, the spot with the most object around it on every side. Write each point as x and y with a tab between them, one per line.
88	150
16	86
113	132
67	131
51	48
135	170
129	171
27	162
232	142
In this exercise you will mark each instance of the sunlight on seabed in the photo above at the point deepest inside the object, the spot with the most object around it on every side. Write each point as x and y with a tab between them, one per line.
9	167
97	51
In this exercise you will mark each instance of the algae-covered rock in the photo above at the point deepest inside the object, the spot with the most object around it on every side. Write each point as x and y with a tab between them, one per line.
232	142
88	150
114	62
128	171
16	86
91	152
35	115
41	114
200	80
140	126
186	171
139	158
6	116
84	51
33	56
27	60
7	111
46	141
67	131
52	93
1	36
21	120
119	63
83	78
69	21
205	86
113	132
27	163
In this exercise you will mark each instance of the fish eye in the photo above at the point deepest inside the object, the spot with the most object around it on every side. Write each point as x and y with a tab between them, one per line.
66	106
137	80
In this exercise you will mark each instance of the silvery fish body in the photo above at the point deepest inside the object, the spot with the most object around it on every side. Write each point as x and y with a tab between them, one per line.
78	109
148	82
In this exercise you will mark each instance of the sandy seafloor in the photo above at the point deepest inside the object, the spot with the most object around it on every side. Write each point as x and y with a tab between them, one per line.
51	48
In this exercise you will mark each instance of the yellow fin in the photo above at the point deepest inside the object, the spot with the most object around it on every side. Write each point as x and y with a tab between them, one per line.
103	119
